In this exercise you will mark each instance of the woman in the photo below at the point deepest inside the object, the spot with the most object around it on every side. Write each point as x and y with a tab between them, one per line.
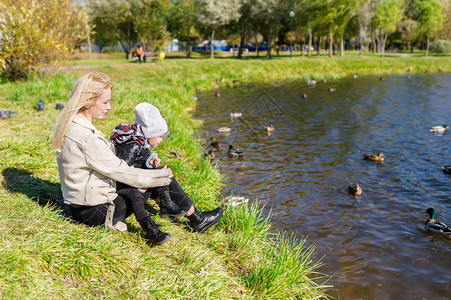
87	165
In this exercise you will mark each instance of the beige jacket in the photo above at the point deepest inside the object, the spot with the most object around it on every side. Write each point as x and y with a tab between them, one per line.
89	169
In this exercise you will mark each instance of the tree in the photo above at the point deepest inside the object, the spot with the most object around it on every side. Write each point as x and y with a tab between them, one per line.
33	33
365	14
181	21
118	19
387	14
213	14
149	22
409	32
430	20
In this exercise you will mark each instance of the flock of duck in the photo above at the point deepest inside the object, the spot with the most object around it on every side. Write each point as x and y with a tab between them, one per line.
353	189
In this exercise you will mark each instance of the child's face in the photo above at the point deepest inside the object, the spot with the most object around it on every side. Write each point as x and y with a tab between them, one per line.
155	141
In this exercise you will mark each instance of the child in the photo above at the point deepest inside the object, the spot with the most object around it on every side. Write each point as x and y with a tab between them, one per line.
133	143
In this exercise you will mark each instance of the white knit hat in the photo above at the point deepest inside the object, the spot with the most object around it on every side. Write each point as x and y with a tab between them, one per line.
150	119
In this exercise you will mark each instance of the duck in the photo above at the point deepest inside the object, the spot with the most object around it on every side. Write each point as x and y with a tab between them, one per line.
214	143
211	155
436	226
381	78
270	128
311	82
331	89
233	152
233	201
379	157
446	169
356	76
354	189
304	95
224	129
217	94
441	128
276	85
235	114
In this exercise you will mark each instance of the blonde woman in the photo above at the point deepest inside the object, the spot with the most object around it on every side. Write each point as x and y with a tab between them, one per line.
88	167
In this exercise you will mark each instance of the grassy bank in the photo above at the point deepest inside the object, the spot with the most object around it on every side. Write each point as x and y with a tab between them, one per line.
44	255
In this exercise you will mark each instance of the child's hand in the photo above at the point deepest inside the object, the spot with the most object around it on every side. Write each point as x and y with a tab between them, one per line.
143	191
155	161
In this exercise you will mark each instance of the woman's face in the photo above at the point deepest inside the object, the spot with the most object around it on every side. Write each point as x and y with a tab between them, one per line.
100	109
155	141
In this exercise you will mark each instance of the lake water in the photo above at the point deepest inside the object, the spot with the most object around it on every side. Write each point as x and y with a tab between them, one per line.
374	246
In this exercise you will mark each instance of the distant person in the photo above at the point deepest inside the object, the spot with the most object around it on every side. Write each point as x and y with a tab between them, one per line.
140	53
134	144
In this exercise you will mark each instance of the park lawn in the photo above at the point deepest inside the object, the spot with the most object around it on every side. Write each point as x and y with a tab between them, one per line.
45	255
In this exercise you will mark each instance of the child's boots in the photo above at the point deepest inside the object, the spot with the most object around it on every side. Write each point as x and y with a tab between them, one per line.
153	232
167	207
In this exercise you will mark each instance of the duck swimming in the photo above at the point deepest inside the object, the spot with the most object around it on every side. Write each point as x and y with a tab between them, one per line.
270	128
211	155
311	82
233	201
436	226
214	143
224	129
354	189
235	114
446	169
233	152
374	157
441	128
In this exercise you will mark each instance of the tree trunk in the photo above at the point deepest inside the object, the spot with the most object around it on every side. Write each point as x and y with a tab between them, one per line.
318	49
373	41
361	40
89	42
384	40
242	38
268	49
427	46
188	45
303	46
309	41
331	42
211	44
342	47
257	45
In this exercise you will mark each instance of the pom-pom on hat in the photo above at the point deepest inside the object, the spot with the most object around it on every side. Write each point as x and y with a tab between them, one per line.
150	119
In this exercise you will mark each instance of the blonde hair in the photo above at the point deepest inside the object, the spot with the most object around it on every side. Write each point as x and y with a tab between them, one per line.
88	88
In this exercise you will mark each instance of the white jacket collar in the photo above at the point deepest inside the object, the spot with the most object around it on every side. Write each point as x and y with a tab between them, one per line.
81	120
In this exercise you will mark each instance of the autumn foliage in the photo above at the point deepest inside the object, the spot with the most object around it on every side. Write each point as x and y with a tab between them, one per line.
37	32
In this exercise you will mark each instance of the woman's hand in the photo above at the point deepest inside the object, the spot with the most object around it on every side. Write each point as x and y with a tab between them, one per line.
168	170
155	162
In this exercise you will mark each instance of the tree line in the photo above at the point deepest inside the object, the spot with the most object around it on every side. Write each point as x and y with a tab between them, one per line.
37	31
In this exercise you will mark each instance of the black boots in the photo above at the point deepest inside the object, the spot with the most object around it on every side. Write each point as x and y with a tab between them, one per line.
167	207
201	221
153	233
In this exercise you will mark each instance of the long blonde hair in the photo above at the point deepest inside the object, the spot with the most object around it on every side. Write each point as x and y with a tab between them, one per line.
88	88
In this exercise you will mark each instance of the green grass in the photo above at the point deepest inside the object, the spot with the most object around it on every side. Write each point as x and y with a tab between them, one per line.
45	255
